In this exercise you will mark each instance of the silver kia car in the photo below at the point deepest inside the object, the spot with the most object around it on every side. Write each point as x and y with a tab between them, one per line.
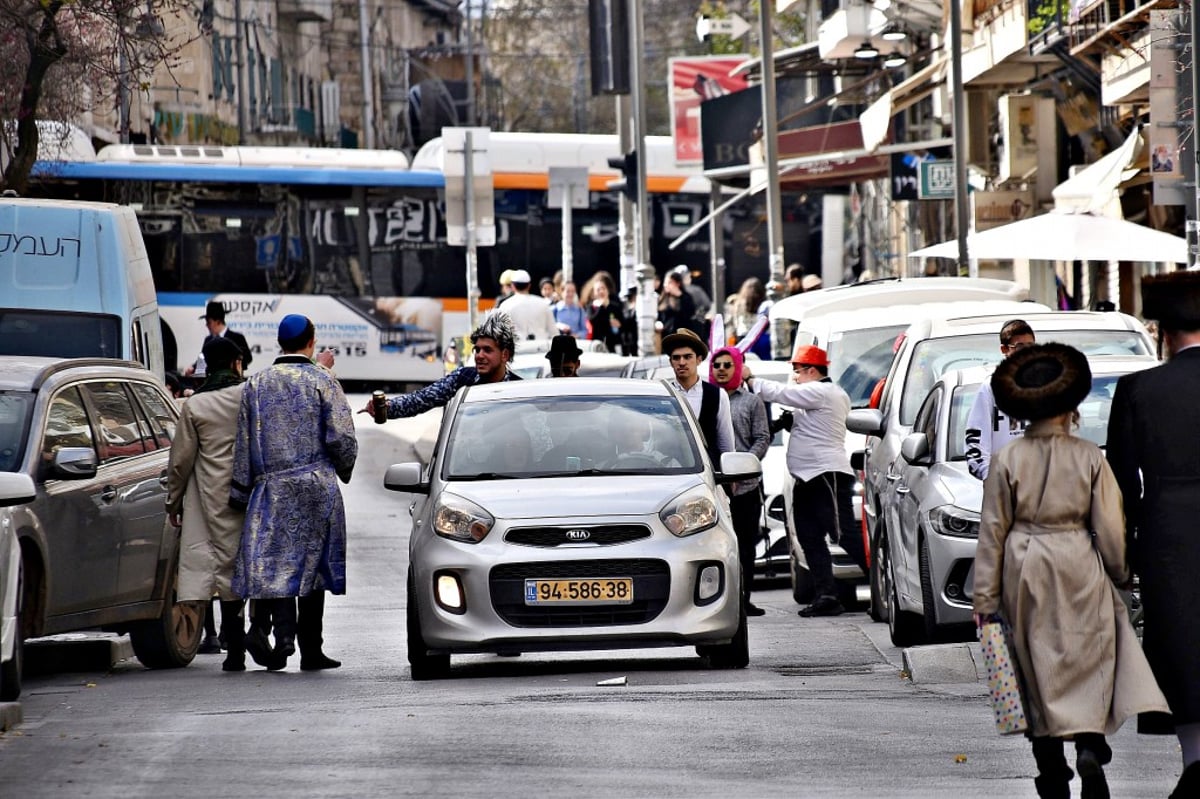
571	514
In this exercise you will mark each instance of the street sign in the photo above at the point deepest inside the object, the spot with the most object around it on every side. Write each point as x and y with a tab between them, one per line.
569	181
732	26
936	180
454	170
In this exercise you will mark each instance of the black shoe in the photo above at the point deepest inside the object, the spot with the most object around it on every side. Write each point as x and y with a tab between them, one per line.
279	656
1091	773
259	647
754	610
209	646
1189	783
824	606
318	662
233	663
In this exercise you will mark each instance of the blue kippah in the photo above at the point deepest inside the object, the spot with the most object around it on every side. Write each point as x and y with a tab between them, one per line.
292	325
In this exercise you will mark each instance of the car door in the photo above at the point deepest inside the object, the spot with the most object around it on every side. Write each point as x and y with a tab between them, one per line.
132	462
911	487
79	516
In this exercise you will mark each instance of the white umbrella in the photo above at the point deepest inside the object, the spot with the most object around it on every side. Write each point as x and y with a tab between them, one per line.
1060	236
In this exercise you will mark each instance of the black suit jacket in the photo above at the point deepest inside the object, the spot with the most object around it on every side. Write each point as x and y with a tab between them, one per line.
240	340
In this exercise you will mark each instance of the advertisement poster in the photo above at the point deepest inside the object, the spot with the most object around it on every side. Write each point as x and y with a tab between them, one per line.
383	339
692	81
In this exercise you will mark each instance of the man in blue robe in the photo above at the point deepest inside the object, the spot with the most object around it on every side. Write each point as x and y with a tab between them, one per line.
295	440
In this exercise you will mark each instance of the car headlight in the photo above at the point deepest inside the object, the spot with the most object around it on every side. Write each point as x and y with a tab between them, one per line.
691	512
955	521
461	520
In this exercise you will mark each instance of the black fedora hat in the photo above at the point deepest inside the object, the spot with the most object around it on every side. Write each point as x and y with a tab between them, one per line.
563	348
1173	299
214	310
1041	381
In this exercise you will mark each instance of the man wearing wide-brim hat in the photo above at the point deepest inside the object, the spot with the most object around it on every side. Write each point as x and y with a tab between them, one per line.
564	357
214	322
708	402
1051	551
1154	449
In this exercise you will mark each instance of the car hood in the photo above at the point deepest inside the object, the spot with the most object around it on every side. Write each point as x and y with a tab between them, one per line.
958	485
557	497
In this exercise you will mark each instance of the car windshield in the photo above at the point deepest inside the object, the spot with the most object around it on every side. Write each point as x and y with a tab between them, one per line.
15	407
933	357
570	436
860	358
58	334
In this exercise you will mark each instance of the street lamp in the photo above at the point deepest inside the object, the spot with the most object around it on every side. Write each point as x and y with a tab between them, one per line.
866	51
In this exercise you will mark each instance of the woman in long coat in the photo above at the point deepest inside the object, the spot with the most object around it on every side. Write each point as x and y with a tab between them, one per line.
1051	549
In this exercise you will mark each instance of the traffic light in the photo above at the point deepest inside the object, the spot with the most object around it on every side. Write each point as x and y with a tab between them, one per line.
627	165
608	36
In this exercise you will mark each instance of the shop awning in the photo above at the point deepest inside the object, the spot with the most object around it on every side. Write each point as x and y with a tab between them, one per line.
877	119
1094	189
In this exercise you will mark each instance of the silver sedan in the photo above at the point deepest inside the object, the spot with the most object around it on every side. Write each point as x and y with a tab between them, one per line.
575	514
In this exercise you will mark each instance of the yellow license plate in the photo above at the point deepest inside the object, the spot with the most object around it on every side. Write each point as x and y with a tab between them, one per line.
593	591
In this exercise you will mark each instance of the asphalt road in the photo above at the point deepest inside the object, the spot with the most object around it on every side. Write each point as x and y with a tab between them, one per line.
823	711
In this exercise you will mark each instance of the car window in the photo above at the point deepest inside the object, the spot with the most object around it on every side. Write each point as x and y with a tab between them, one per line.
59	334
155	406
568	435
932	358
1094	410
859	358
960	408
15	410
120	432
927	416
66	424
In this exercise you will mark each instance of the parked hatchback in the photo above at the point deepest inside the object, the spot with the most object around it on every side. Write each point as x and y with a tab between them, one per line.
571	515
938	502
95	548
929	349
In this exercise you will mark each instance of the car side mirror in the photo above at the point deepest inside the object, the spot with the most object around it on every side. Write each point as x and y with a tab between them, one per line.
915	449
16	489
75	463
865	421
737	466
858	460
405	477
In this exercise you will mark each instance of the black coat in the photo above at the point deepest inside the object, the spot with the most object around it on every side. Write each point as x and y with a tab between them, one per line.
1154	430
240	341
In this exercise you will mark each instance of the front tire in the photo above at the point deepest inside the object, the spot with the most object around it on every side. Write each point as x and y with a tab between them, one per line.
12	672
904	627
733	655
171	640
422	664
880	590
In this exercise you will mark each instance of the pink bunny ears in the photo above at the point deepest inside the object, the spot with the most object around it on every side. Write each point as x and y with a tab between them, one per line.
716	334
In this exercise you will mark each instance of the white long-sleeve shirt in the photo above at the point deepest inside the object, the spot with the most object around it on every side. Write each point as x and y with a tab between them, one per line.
532	317
817	441
989	429
695	396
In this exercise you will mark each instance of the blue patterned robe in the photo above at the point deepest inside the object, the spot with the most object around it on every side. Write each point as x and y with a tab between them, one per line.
295	436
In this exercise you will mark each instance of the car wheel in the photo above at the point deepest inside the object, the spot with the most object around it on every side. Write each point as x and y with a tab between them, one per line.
733	655
932	631
171	640
904	627
802	585
422	664
880	585
11	673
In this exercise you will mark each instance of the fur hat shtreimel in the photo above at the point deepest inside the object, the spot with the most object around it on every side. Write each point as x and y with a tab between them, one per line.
1173	299
1041	381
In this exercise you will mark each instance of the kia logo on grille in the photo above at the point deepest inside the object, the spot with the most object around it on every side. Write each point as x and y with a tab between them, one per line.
578	535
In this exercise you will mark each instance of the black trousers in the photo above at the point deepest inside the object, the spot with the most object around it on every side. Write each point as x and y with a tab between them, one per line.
823	507
299	618
746	510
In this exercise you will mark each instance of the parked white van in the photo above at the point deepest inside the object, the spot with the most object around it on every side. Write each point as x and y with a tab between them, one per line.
75	281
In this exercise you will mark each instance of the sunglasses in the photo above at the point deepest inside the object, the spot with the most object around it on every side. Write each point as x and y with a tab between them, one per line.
723	365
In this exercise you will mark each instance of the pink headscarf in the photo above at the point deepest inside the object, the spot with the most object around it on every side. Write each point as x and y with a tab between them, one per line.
738	360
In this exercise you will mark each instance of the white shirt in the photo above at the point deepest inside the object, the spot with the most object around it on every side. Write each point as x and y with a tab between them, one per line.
989	429
695	396
532	317
817	441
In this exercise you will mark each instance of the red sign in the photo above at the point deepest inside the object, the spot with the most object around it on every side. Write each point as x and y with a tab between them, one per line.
692	81
836	139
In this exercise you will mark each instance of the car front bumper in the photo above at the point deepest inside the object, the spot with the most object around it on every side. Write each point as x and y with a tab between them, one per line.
951	569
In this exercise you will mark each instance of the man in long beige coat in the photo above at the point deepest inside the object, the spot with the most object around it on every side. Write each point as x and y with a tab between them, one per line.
198	479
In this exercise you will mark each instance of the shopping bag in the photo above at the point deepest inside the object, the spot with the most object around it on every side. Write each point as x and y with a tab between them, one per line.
1003	681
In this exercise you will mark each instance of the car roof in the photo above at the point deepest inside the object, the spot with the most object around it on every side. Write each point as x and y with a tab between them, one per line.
566	387
891	291
903	315
28	372
938	327
1101	365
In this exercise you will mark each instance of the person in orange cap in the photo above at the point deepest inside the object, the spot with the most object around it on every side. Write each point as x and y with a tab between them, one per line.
816	457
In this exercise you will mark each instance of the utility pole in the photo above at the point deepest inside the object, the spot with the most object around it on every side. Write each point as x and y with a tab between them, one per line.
966	267
625	207
647	298
241	73
1193	224
368	82
470	66
770	135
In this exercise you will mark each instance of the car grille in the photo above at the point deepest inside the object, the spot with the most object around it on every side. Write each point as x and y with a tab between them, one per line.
651	588
597	535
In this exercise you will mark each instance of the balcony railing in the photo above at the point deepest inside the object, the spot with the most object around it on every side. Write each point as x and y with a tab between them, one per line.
1047	21
1101	16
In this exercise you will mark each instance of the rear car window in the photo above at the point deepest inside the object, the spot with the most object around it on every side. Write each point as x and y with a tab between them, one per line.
121	432
15	410
860	358
58	334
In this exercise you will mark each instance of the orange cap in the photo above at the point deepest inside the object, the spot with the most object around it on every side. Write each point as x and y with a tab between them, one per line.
809	355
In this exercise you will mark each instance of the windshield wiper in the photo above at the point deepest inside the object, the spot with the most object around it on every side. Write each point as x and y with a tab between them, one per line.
578	472
485	476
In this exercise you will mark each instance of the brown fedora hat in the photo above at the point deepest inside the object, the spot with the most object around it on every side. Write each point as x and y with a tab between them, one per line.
684	338
1041	381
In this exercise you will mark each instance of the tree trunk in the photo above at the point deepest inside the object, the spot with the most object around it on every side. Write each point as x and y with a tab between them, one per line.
45	48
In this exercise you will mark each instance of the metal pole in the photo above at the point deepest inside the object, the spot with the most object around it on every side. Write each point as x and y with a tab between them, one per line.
364	35
965	265
625	208
470	69
568	252
779	330
1193	224
241	73
472	254
716	247
647	310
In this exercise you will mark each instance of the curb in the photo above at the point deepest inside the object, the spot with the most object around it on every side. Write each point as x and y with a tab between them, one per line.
10	715
944	663
76	652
